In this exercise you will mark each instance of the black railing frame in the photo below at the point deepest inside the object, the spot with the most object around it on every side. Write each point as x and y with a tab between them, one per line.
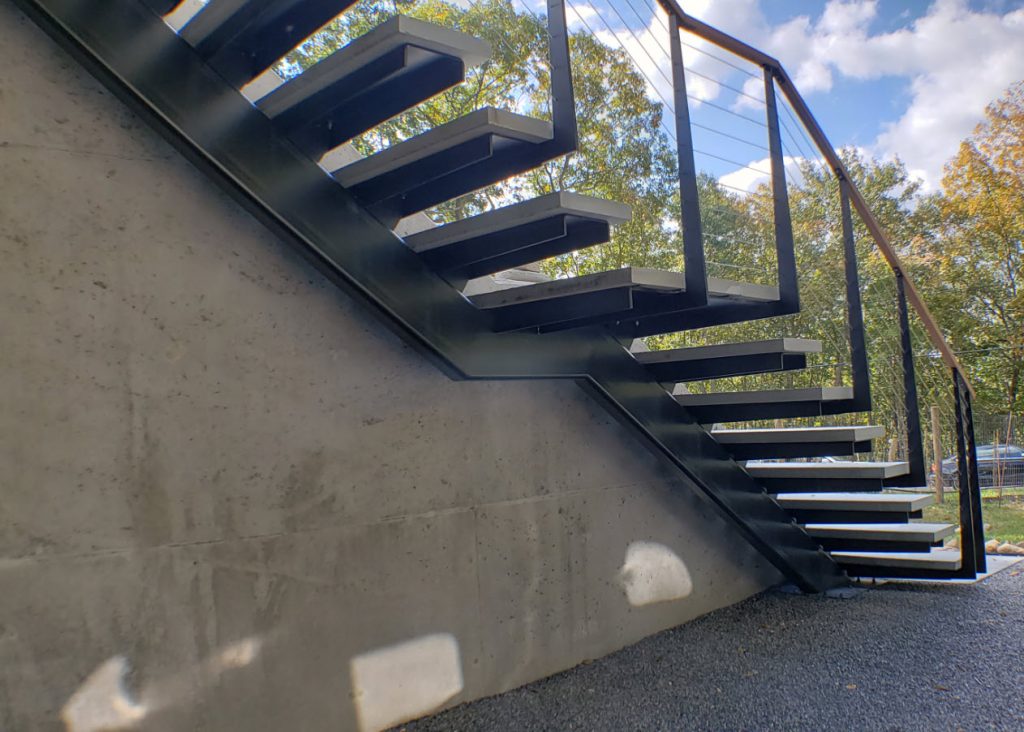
147	66
685	313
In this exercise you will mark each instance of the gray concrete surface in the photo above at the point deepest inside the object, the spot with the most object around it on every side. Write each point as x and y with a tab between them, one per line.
230	500
898	657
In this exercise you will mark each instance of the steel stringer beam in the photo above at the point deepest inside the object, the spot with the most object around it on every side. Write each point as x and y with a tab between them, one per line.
129	49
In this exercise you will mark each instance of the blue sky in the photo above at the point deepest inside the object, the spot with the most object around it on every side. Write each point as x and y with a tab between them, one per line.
907	78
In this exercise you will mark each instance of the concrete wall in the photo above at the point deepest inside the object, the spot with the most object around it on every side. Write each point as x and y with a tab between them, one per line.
231	500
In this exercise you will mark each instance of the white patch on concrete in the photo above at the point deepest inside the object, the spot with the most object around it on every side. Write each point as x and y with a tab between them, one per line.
101	702
236	655
653	573
401	682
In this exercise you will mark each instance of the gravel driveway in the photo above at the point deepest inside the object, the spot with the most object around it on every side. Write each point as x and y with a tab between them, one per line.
896	657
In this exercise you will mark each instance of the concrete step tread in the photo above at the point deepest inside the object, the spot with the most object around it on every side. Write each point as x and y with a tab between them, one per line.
561	203
914	531
769	396
867	470
482	122
728	350
883	502
394	33
640	278
858	433
945	559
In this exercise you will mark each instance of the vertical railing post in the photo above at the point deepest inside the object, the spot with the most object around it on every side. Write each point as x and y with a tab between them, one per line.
969	540
789	291
693	236
563	97
854	306
915	438
975	484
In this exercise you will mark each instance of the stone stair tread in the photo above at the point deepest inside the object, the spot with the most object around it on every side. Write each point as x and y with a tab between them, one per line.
768	396
914	531
561	203
640	278
823	470
939	559
482	122
392	34
857	433
895	502
728	350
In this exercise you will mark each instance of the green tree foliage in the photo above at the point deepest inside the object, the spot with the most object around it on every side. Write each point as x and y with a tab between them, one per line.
963	246
623	156
981	260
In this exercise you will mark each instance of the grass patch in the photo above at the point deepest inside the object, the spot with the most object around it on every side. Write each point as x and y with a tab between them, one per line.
1005	521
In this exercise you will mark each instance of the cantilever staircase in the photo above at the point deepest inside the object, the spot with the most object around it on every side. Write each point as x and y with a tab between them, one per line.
274	145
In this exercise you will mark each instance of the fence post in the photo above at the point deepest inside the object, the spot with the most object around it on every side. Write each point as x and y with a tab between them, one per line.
940	487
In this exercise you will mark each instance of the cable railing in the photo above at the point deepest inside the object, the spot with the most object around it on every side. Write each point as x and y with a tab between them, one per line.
729	176
911	384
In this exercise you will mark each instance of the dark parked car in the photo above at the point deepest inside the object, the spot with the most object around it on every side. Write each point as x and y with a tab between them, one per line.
1007	459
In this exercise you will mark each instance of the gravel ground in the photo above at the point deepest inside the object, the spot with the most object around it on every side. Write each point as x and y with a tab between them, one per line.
895	657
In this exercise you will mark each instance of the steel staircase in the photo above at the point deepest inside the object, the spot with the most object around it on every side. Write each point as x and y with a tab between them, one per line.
269	143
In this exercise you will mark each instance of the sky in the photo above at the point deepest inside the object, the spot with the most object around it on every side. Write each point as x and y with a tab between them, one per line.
906	78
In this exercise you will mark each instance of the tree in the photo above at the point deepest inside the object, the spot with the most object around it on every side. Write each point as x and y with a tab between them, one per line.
982	262
622	155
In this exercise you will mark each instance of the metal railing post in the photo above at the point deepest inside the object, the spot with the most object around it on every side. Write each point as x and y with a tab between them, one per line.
854	306
980	563
693	236
789	291
915	438
969	541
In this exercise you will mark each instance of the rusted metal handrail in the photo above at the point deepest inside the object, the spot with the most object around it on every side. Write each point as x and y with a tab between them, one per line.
803	112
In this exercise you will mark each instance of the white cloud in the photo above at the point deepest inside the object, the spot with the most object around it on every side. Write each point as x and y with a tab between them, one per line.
756	172
956	60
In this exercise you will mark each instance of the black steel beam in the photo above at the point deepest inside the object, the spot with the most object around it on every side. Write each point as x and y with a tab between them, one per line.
789	289
248	42
822	485
861	373
972	535
915	441
879	545
515	246
870	571
811	516
980	562
726	366
764	451
160	77
377	92
694	265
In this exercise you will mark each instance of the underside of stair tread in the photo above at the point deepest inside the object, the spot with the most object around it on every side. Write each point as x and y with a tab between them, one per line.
768	396
214	15
880	502
348	235
242	38
562	203
636	278
914	531
728	350
698	363
858	433
942	559
825	471
395	33
488	121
